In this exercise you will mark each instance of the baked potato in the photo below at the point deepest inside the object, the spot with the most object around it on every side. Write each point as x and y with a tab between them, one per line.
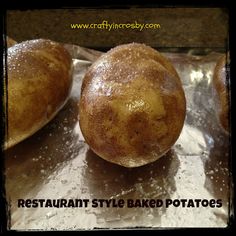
132	106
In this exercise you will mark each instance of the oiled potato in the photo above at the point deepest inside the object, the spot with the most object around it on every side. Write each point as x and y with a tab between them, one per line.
221	87
39	80
132	105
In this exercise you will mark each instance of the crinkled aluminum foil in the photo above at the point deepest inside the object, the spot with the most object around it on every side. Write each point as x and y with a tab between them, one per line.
57	163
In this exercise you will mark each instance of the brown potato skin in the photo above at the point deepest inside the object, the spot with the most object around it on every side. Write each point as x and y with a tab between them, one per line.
39	80
132	105
222	92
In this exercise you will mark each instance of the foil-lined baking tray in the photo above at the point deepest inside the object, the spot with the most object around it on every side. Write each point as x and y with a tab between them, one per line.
56	163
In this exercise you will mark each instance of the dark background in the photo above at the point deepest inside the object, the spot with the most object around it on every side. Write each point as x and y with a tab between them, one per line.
180	27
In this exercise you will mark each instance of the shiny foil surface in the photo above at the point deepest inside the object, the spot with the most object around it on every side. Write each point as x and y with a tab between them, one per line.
56	163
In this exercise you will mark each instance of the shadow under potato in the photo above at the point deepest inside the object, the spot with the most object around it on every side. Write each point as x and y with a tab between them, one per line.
149	181
104	180
218	169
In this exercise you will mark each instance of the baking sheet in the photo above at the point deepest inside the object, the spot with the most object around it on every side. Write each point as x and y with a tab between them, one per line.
56	163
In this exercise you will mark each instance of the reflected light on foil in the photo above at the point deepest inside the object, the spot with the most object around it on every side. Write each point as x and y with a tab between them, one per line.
209	77
196	76
78	133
